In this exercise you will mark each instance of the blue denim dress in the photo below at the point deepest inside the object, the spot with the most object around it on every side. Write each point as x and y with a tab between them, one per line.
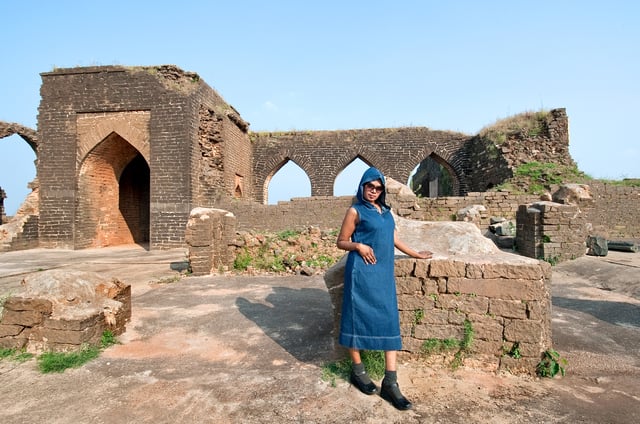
370	317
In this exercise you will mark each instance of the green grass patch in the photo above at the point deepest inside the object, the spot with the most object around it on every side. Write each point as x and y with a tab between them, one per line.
17	355
288	234
50	362
373	361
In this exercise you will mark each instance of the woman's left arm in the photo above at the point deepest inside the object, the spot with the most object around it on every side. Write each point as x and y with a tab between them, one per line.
402	246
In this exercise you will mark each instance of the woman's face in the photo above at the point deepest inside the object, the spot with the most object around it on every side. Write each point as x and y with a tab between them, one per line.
372	190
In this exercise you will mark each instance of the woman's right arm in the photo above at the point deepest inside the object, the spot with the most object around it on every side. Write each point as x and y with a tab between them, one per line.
344	237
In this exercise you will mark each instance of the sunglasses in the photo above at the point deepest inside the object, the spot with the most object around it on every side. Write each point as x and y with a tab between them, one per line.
374	187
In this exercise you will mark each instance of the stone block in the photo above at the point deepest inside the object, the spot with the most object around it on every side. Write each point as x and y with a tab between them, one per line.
474	270
463	303
7	330
508	308
489	330
13	342
422	268
90	319
407	302
529	271
488	347
28	318
71	337
446	268
17	303
457	318
524	331
436	317
408	285
440	332
538	310
404	266
430	286
511	289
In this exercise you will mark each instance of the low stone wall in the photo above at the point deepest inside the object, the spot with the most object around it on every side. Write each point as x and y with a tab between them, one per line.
506	305
614	211
64	310
497	204
504	298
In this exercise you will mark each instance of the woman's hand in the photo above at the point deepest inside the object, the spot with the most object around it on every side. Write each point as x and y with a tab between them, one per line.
367	253
424	254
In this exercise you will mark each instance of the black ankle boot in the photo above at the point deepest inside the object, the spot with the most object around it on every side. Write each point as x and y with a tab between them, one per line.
360	381
391	393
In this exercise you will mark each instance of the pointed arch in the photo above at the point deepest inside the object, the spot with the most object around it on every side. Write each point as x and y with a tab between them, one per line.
93	128
434	177
293	186
113	187
346	182
27	134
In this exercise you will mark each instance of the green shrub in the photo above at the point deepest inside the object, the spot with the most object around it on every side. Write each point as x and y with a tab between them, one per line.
551	364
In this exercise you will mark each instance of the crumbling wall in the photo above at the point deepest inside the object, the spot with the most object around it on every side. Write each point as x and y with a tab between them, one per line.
63	310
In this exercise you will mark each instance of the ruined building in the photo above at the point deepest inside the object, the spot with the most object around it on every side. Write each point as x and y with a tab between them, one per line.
125	153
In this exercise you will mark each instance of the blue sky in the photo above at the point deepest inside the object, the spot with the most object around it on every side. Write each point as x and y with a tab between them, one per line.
297	65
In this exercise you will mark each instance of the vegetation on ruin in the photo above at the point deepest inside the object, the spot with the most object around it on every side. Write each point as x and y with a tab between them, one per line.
523	125
538	178
17	355
443	346
311	251
514	351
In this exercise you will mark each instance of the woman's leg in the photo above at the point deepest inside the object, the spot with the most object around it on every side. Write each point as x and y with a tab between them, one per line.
359	376
390	389
390	358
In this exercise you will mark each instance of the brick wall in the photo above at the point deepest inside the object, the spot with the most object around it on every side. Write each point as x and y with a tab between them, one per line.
324	154
614	212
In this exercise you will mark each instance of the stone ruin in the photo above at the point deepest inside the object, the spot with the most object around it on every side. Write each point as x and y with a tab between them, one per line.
505	297
63	311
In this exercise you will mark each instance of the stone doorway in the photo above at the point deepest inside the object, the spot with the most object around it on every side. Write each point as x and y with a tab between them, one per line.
113	195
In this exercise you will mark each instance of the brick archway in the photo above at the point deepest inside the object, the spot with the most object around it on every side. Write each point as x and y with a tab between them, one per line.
113	195
27	134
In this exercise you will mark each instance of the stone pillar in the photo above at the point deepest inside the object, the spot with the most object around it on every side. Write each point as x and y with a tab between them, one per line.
551	231
209	233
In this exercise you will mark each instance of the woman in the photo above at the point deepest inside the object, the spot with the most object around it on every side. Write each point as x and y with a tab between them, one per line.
370	318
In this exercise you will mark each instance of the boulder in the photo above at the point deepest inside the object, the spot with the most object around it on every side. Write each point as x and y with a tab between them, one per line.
597	246
572	194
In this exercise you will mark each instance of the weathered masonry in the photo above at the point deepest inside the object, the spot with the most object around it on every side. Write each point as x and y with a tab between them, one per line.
125	153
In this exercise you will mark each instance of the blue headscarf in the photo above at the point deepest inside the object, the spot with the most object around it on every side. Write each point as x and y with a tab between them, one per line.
372	174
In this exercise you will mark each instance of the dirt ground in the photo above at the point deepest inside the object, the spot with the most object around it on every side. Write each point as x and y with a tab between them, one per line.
242	349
